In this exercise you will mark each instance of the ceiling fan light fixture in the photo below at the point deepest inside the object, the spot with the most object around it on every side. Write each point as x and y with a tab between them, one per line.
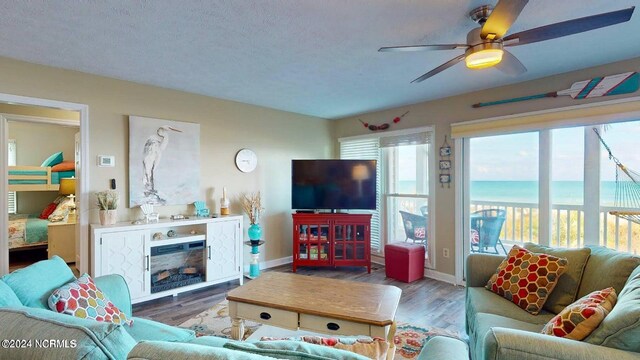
484	58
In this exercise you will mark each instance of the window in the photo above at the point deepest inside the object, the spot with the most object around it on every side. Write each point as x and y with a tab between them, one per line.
13	206
402	183
366	149
406	161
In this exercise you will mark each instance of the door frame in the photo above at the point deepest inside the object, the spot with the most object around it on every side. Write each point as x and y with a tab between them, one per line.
82	249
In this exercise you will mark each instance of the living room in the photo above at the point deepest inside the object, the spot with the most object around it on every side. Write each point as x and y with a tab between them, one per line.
283	123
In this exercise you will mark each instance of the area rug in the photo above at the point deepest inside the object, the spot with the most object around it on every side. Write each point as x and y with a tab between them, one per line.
409	339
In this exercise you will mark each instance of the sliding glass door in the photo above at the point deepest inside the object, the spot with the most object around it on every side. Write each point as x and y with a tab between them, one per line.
558	187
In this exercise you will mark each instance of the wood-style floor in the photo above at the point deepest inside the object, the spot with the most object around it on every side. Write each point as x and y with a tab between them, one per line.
425	302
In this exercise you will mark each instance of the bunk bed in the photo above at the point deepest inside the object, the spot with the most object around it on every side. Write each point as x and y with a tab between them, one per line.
36	178
29	231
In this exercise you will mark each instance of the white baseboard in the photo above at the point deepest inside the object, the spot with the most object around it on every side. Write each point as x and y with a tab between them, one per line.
430	273
272	263
436	275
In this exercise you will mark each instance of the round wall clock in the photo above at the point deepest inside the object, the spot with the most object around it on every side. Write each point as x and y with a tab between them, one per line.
246	160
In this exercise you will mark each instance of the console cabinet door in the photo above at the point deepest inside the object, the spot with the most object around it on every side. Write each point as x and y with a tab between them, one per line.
127	253
223	249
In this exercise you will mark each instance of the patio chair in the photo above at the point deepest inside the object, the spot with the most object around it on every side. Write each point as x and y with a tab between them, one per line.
487	224
415	227
424	210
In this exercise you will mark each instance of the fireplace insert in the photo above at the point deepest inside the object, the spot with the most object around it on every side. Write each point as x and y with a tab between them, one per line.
177	265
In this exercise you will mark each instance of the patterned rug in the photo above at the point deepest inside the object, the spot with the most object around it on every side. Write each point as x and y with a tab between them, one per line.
409	339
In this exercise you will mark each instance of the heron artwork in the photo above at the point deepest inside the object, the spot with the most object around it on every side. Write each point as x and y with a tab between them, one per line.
152	153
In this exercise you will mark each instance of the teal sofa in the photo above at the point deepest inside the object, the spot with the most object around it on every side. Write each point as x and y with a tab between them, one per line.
499	329
35	332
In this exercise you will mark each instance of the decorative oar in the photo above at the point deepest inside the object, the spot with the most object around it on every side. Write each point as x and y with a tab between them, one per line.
601	86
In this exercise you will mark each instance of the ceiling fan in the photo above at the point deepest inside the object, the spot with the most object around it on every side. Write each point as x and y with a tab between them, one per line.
486	44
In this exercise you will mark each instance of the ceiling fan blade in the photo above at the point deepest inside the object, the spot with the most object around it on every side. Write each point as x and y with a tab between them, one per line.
510	64
569	27
423	47
502	17
440	68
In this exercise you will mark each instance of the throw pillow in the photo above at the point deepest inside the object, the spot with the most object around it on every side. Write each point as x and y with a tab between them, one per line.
64	166
52	160
62	210
82	298
566	291
373	348
579	319
48	211
527	278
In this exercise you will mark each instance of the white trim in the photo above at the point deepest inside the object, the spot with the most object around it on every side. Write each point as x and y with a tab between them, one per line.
272	263
459	222
558	110
432	179
387	133
4	184
82	175
591	186
436	275
545	176
43	120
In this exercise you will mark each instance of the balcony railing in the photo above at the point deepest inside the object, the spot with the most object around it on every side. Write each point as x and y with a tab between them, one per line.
521	225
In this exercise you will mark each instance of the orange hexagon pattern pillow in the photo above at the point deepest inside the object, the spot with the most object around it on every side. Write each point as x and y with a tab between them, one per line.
526	278
579	319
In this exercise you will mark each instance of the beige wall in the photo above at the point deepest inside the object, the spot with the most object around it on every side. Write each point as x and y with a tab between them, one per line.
441	113
43	112
34	143
226	126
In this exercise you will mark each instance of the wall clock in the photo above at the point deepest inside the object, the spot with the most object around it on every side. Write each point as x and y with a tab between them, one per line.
246	160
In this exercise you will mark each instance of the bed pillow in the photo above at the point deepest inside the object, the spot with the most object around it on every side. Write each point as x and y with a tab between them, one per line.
64	166
579	319
82	298
62	210
48	211
526	278
54	159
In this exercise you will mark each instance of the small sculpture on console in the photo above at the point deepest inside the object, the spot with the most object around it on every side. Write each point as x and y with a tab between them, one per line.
201	208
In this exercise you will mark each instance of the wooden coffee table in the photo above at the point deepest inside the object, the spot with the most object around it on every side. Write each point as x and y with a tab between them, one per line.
317	304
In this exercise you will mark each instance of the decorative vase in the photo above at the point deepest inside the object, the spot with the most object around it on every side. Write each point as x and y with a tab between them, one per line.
255	233
108	217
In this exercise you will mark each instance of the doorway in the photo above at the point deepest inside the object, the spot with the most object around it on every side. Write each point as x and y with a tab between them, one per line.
39	110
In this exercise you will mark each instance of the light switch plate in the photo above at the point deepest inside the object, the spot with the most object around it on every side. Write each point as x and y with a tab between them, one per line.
106	161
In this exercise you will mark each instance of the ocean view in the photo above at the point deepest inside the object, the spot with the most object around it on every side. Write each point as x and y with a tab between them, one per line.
563	192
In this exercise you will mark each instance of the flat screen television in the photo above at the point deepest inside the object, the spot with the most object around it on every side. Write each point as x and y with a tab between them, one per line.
333	184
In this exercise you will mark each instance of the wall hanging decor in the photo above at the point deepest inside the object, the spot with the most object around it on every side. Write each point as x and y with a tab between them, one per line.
164	162
624	83
384	126
444	165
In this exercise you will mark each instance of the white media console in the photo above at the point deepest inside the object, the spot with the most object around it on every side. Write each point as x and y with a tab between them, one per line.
200	252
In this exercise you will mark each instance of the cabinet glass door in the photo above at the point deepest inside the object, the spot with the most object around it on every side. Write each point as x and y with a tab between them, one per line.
313	243
349	242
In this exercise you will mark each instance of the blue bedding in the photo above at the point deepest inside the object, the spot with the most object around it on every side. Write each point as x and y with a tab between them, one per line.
55	176
27	229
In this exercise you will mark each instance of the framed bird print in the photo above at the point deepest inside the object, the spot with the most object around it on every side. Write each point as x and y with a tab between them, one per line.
164	162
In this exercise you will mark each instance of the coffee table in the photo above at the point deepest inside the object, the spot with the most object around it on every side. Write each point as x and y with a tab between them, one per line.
322	305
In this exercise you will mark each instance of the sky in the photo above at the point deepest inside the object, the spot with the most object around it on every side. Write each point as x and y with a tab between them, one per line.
515	157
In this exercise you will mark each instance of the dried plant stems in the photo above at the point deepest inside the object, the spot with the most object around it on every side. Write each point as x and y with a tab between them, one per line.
252	206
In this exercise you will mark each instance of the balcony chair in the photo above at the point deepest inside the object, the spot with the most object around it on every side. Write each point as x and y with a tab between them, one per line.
487	225
424	210
415	227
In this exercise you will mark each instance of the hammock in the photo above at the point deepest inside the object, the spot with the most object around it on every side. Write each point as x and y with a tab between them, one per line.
627	188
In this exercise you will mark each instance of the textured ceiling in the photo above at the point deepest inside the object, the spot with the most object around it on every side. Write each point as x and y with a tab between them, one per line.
306	56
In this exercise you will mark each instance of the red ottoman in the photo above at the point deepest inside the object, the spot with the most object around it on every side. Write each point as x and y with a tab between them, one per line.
404	261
